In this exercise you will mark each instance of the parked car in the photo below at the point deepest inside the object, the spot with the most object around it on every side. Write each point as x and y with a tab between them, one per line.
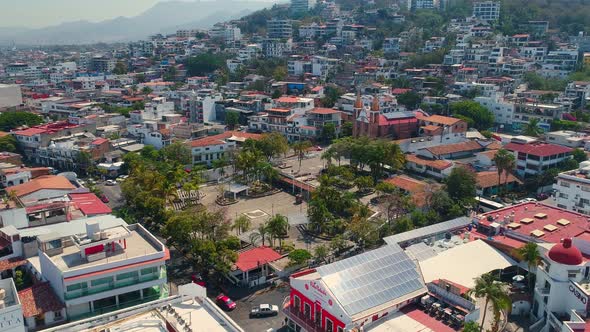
104	198
111	182
264	310
225	302
319	148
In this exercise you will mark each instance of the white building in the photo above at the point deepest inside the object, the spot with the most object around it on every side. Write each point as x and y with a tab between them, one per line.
391	45
568	138
103	269
487	10
276	28
421	4
572	189
535	158
10	95
11	313
298	6
560	63
561	289
502	109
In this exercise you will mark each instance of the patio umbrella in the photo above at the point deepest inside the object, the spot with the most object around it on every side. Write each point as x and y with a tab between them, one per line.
518	278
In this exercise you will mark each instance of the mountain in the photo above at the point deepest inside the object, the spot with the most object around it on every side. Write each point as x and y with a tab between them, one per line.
164	17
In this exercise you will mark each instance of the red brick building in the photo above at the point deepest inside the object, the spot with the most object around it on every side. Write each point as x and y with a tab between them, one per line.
375	124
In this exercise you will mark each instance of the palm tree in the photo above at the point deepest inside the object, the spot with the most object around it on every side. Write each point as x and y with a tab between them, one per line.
532	128
489	288
529	253
504	161
277	227
259	234
241	224
328	155
300	148
219	165
509	167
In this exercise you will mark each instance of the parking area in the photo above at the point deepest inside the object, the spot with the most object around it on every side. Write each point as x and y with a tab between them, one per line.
113	193
273	296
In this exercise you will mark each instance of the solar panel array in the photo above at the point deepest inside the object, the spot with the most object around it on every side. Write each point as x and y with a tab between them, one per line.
371	279
428	230
420	251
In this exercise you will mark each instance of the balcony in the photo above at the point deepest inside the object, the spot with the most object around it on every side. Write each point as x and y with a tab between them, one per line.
115	285
296	316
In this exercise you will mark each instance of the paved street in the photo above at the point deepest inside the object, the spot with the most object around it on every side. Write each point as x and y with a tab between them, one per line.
113	193
242	312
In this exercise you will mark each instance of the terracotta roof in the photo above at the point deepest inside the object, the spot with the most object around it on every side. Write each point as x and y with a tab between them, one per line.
436	164
12	263
30	132
99	141
42	182
320	110
288	99
489	179
490	153
538	149
454	148
251	259
39	299
444	120
221	138
407	183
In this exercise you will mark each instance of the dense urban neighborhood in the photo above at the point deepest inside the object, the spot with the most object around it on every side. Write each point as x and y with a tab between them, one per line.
329	165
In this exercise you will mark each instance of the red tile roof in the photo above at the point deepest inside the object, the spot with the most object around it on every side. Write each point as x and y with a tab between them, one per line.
39	299
287	99
99	141
416	188
30	132
455	148
12	263
320	110
40	183
251	259
89	204
578	223
436	164
444	120
221	138
538	149
490	179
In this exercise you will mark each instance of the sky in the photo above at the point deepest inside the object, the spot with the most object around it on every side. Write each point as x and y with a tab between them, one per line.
42	13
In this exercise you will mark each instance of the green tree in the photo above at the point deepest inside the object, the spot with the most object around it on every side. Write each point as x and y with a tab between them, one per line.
300	148
471	326
493	291
461	185
278	226
298	257
529	253
241	224
146	90
120	68
328	132
12	120
346	129
331	95
204	237
177	153
409	99
8	143
280	73
364	183
320	253
505	163
276	94
532	128
579	155
205	64
473	113
232	119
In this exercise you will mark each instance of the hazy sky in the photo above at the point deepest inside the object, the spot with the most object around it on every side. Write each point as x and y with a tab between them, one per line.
41	13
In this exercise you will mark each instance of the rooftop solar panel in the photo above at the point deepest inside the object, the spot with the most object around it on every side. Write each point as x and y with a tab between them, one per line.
368	280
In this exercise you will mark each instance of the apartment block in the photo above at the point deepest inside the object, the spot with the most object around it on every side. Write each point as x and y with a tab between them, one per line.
487	10
280	29
572	189
104	269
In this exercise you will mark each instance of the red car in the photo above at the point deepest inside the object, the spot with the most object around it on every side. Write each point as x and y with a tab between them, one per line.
198	280
225	302
104	198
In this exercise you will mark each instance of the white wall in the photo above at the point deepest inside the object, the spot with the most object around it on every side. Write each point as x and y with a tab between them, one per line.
10	95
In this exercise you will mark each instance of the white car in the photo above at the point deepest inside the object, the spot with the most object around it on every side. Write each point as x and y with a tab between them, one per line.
264	310
111	182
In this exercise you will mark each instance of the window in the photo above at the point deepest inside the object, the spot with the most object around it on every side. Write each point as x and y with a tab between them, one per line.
101	281
127	275
57	315
562	195
565	184
149	270
74	287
